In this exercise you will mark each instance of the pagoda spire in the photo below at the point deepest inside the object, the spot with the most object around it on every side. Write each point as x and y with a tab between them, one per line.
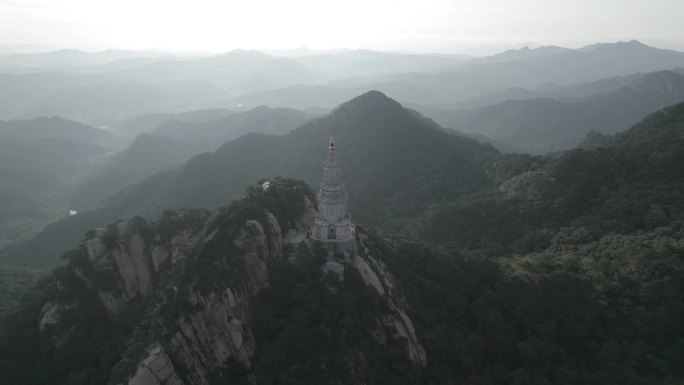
333	225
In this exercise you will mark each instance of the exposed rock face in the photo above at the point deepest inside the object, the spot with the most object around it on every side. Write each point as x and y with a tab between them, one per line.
376	275
50	320
133	263
207	339
51	314
368	275
306	220
404	327
258	246
203	326
133	267
156	369
121	266
162	252
217	332
275	237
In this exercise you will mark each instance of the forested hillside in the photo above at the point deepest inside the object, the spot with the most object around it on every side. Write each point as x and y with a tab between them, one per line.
341	193
396	163
630	183
40	162
428	183
579	312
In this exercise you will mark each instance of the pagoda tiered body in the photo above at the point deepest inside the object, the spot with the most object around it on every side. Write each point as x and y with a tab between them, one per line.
333	224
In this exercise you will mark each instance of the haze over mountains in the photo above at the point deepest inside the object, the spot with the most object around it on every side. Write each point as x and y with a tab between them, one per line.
42	159
540	124
70	60
363	125
175	140
526	100
593	235
252	78
535	100
518	214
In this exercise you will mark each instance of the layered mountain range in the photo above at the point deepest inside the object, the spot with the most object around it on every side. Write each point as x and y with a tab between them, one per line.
544	269
141	244
124	85
387	180
541	124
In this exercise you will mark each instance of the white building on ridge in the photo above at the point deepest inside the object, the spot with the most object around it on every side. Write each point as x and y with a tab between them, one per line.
333	226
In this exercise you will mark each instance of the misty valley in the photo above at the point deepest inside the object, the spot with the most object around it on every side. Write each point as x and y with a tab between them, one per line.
346	216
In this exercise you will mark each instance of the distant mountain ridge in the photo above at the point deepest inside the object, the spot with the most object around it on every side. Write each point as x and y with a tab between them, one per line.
53	128
148	122
386	150
71	57
573	66
462	85
172	142
262	119
234	71
367	62
519	54
328	96
112	99
146	84
544	124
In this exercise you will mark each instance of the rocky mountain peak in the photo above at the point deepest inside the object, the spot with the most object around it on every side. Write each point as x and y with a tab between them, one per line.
199	287
369	102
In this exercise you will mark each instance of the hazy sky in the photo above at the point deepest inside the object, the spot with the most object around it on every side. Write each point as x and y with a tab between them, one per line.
416	25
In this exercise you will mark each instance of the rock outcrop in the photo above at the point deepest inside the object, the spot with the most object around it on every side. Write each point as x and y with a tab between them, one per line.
131	264
180	296
156	369
197	289
51	314
216	332
376	275
307	219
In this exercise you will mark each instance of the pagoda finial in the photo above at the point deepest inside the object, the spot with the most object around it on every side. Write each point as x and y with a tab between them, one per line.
332	144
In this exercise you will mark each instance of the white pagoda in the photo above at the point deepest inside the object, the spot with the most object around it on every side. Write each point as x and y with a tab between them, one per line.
332	225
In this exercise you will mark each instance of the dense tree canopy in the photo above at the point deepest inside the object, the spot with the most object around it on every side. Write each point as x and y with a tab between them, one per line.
546	270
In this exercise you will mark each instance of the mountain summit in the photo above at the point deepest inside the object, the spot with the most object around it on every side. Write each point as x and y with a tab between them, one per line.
197	299
387	150
385	147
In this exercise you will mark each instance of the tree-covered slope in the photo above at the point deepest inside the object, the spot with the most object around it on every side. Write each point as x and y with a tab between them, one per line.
605	312
41	161
564	270
388	154
262	119
36	177
395	163
200	300
631	183
174	139
209	299
148	154
14	283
